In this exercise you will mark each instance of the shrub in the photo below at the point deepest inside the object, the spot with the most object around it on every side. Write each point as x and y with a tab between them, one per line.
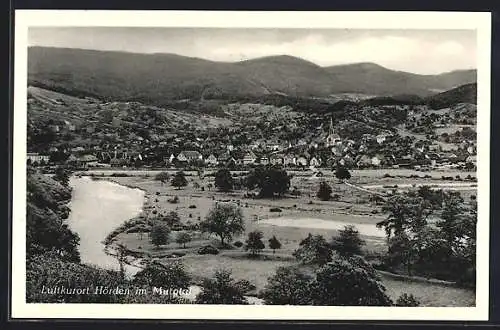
162	176
183	238
192	206
407	300
208	249
119	175
324	192
238	244
274	209
174	200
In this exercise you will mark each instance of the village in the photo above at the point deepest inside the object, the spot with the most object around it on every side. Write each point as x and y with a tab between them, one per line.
367	137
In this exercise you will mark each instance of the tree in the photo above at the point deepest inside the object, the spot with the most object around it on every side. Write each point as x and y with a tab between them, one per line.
402	250
162	176
342	283
171	275
223	180
314	250
348	242
451	214
289	286
160	234
324	192
61	175
183	238
222	289
342	173
179	180
406	213
49	270
224	220
274	244
271	181
254	242
172	219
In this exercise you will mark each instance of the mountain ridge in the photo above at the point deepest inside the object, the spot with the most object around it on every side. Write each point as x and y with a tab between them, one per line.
156	78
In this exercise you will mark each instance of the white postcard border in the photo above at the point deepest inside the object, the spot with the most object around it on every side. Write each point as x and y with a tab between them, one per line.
356	20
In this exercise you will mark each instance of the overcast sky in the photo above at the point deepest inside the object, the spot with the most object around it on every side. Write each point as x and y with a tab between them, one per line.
418	51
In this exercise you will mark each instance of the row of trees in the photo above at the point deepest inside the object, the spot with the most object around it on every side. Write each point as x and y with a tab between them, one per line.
270	180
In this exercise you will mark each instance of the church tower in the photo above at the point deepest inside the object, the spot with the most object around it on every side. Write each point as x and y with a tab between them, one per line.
332	138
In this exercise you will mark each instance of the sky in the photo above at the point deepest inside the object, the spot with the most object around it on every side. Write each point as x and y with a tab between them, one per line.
417	51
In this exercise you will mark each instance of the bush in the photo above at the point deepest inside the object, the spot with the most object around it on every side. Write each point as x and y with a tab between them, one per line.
192	206
238	244
208	249
119	175
387	175
274	209
324	192
407	300
174	200
162	176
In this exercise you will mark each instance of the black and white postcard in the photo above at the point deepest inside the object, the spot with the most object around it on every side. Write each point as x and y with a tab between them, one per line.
251	165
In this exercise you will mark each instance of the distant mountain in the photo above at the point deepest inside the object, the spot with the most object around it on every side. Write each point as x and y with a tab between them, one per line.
160	78
374	79
462	94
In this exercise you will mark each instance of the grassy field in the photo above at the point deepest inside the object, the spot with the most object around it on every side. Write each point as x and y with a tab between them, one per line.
354	207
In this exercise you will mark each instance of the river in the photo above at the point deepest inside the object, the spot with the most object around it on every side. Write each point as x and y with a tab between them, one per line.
97	208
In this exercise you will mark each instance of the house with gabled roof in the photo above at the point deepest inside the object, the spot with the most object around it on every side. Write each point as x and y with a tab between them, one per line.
289	160
264	160
302	161
249	158
189	156
276	159
315	162
211	160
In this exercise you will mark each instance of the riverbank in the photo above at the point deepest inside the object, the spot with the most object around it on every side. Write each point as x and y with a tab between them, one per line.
97	208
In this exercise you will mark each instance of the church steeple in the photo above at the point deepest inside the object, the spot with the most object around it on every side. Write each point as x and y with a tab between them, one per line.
332	138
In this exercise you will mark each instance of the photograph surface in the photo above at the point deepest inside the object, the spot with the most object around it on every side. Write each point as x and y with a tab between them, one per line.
276	171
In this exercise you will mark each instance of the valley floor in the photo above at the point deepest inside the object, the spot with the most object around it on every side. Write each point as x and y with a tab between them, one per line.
353	208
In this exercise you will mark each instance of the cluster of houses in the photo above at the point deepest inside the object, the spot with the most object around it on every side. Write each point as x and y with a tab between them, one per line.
324	150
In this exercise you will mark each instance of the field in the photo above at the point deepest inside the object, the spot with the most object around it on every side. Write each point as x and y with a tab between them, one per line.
354	207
